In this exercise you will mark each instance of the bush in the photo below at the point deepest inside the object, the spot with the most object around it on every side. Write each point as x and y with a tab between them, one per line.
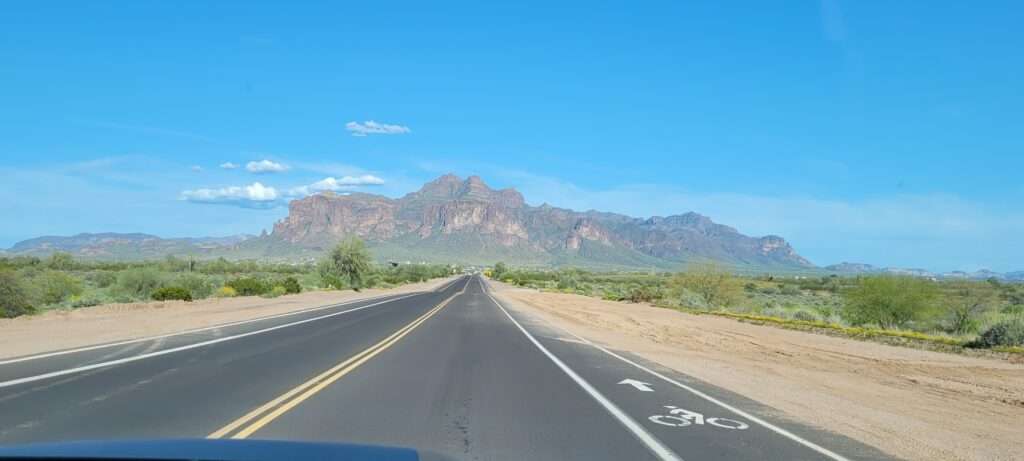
14	295
61	262
226	292
499	270
1008	333
85	302
889	302
805	316
275	292
139	283
715	285
291	285
348	262
248	286
197	285
53	287
103	279
172	293
789	290
643	294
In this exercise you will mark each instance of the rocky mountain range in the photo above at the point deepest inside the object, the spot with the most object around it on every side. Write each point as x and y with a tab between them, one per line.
847	268
113	245
465	220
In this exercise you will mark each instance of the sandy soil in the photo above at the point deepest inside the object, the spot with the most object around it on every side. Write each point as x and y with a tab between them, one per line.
63	329
910	403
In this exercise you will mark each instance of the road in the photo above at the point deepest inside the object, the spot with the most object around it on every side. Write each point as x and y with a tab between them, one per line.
451	371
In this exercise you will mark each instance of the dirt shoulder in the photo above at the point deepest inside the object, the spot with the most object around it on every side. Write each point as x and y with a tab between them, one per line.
63	329
910	403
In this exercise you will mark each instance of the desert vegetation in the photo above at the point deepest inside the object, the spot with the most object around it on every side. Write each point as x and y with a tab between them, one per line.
960	313
30	284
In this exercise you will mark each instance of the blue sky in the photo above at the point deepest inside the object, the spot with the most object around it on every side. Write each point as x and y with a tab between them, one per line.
879	132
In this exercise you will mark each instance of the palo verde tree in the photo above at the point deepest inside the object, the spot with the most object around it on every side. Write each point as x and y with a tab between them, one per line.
348	263
715	285
889	301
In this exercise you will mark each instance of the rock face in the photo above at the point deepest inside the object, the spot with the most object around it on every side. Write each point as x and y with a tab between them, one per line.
479	224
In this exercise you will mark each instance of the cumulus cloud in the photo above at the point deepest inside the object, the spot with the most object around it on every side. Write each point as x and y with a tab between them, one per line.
336	184
228	166
371	127
265	166
255	195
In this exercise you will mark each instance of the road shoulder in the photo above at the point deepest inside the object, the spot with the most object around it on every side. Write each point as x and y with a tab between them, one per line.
69	329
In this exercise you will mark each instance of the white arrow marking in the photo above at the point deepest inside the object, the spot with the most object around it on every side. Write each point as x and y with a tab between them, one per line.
639	385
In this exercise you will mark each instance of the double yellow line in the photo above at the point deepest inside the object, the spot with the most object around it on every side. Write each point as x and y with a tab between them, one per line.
254	420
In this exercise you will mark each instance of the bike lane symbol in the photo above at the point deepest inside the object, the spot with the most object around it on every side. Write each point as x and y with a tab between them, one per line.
680	417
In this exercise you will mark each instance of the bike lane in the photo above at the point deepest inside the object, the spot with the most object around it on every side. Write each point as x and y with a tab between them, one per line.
693	418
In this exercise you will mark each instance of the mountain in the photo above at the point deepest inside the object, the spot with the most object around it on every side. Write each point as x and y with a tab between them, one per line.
451	219
982	274
110	245
852	268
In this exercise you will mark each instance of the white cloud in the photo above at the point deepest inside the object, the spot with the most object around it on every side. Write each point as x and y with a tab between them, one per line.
372	127
336	184
228	166
197	168
255	195
265	166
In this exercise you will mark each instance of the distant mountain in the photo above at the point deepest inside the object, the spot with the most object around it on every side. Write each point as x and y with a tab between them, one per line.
451	219
852	268
109	245
983	274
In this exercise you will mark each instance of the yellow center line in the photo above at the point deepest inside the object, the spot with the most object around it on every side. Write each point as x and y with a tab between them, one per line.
297	395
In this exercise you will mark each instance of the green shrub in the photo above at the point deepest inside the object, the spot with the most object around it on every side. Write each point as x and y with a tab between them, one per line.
750	287
805	316
139	283
717	286
889	302
291	285
275	292
60	261
248	286
172	293
349	261
53	287
85	302
198	286
102	279
769	291
14	295
789	290
643	294
1008	333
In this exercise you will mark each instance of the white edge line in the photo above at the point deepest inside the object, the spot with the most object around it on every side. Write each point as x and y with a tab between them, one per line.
778	430
649	440
186	347
197	330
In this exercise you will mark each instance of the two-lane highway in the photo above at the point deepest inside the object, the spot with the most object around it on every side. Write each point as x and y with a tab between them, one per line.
450	371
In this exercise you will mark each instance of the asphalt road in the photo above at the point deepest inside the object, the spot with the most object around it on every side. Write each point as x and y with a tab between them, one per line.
449	371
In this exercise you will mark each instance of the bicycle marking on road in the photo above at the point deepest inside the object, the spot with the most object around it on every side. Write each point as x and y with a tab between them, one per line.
681	417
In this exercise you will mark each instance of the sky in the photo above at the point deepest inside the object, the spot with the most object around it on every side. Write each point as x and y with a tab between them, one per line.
880	132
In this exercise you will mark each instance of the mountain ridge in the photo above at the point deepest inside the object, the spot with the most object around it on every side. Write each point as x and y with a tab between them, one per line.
489	221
